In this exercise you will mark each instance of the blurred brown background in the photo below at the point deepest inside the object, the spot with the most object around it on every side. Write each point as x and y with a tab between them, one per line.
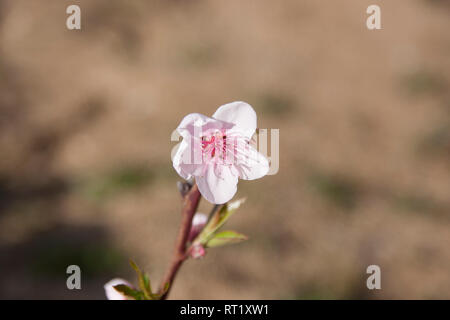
364	119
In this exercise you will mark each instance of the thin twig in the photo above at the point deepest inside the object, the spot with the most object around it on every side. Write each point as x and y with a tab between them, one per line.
190	205
213	210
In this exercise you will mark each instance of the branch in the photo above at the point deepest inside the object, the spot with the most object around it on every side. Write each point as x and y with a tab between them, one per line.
190	204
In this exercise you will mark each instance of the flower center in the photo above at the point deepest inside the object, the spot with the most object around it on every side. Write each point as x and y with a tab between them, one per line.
214	145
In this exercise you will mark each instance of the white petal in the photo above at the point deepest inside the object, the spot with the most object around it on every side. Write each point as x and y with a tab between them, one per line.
251	164
240	114
196	124
113	294
217	189
184	161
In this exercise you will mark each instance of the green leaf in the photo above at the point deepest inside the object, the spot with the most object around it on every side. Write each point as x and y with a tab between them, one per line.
218	220
134	266
147	289
224	238
147	284
144	281
129	292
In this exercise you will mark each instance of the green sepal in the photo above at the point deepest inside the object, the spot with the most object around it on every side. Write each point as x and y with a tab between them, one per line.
218	220
224	238
144	282
130	292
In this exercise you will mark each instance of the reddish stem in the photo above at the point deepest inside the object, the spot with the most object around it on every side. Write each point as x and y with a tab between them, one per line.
190	204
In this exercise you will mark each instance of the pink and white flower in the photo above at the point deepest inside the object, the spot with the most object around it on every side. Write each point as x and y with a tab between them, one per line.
216	151
113	294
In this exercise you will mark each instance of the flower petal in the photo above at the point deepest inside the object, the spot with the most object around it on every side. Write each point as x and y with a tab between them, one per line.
184	161
252	164
113	294
217	188
196	125
240	114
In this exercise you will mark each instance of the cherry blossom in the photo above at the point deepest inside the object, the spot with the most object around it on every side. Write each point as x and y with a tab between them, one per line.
216	151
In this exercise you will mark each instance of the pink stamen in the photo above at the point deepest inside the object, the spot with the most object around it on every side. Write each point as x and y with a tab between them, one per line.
214	144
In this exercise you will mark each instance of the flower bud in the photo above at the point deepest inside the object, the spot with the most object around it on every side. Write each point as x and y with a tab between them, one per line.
197	251
198	222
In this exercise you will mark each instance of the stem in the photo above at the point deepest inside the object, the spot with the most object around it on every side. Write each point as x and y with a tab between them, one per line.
190	204
213	210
